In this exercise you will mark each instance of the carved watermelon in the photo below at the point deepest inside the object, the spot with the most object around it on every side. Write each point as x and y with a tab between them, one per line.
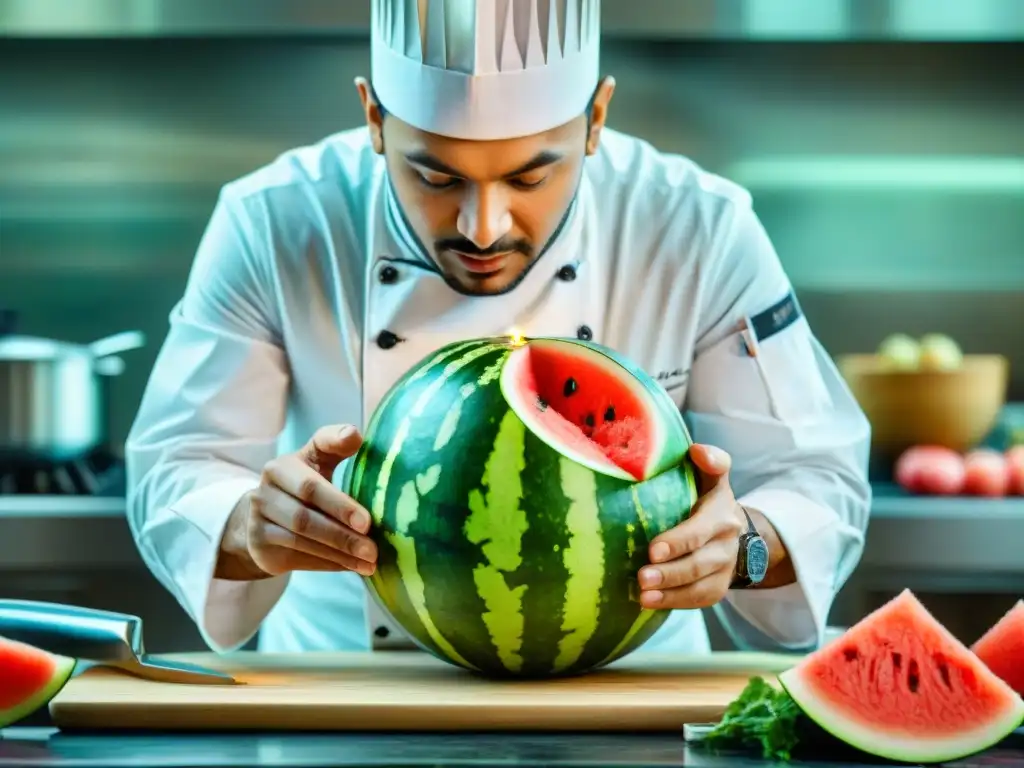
29	678
1002	648
900	686
515	487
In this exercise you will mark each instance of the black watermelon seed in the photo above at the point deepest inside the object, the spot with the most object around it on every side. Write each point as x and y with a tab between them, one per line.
943	670
590	420
570	386
913	676
542	404
609	415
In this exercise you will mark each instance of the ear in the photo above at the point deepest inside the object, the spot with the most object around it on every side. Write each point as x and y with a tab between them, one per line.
374	117
599	112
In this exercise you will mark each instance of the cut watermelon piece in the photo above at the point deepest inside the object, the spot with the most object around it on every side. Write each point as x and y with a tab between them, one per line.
900	686
29	678
1002	648
594	407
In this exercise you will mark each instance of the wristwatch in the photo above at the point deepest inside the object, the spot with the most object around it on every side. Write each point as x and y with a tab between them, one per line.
752	559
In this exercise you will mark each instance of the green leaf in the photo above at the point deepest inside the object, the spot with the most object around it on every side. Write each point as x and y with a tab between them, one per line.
763	718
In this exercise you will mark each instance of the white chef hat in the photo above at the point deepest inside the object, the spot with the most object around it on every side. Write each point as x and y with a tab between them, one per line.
485	69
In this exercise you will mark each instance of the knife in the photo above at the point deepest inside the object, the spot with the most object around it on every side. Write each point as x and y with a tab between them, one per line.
103	638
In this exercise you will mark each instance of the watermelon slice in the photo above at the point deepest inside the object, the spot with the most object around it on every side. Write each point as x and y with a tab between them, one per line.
29	678
900	686
575	397
1002	648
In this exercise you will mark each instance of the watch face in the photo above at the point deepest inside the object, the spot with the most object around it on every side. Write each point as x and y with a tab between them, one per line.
757	559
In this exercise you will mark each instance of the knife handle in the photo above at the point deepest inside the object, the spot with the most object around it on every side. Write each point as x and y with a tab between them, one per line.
66	630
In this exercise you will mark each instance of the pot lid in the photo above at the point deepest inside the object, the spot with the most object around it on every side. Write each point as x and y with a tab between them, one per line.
37	348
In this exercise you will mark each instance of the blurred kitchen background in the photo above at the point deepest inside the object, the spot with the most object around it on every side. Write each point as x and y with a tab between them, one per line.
883	141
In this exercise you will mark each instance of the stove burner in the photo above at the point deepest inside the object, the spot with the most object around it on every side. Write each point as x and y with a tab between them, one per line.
98	473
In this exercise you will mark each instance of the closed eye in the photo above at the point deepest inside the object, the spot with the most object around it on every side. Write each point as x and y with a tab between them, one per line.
448	182
524	184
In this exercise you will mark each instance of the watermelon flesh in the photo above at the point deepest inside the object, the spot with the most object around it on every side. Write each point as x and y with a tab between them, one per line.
1002	648
582	401
29	678
900	686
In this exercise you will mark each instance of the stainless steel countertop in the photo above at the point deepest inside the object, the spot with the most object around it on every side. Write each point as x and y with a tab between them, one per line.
47	747
947	542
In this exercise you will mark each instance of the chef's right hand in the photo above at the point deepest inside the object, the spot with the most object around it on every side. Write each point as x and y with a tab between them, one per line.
297	520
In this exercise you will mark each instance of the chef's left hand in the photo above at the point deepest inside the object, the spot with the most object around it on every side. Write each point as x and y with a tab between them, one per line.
693	564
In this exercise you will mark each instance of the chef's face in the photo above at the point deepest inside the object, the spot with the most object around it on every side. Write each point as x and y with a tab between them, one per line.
485	210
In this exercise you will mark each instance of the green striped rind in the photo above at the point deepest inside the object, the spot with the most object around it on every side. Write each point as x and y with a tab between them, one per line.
408	386
497	553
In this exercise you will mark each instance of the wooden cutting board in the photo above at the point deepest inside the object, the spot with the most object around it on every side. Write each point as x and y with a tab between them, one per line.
412	691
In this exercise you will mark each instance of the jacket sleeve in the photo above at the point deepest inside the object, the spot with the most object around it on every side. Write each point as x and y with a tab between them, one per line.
208	422
798	440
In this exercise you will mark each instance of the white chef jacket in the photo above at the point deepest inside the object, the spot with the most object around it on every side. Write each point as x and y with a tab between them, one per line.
277	335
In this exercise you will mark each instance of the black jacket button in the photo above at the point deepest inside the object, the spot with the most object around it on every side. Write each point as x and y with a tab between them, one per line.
567	273
584	333
388	274
386	339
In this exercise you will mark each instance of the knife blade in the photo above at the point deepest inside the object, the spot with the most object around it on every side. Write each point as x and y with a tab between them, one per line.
100	638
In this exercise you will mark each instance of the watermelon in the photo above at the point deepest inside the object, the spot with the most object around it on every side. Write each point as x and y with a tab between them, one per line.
29	678
515	486
1002	648
898	685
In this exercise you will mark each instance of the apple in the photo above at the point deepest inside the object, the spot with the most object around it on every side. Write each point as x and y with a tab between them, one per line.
900	352
931	469
1015	461
987	473
940	353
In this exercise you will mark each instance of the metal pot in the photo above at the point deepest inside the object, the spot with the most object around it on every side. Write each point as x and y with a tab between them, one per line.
52	403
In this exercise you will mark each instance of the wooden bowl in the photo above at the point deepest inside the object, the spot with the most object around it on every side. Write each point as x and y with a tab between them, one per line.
955	408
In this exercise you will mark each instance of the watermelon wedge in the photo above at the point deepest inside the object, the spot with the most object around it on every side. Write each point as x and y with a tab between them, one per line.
29	678
900	686
1002	648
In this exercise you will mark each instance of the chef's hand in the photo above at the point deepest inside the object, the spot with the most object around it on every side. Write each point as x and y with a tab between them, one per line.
694	563
297	520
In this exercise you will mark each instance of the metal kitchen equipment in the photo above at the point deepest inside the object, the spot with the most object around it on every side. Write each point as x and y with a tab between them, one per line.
97	638
52	403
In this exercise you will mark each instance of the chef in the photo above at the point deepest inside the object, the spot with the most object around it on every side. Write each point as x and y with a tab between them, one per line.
485	195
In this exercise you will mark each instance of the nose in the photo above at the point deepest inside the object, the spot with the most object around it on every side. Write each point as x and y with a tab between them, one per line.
484	217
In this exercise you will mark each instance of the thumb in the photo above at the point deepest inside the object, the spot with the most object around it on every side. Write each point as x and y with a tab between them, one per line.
713	465
329	446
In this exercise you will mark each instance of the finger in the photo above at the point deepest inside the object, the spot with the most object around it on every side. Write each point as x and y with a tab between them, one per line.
713	465
712	557
329	446
703	593
302	552
291	514
715	516
303	483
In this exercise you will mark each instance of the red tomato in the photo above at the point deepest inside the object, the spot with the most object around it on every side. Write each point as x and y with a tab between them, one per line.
1015	461
988	473
930	469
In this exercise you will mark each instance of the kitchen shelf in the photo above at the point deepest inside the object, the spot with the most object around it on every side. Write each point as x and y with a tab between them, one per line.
966	540
814	20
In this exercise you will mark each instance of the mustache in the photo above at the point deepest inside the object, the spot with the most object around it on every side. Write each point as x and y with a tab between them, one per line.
469	248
